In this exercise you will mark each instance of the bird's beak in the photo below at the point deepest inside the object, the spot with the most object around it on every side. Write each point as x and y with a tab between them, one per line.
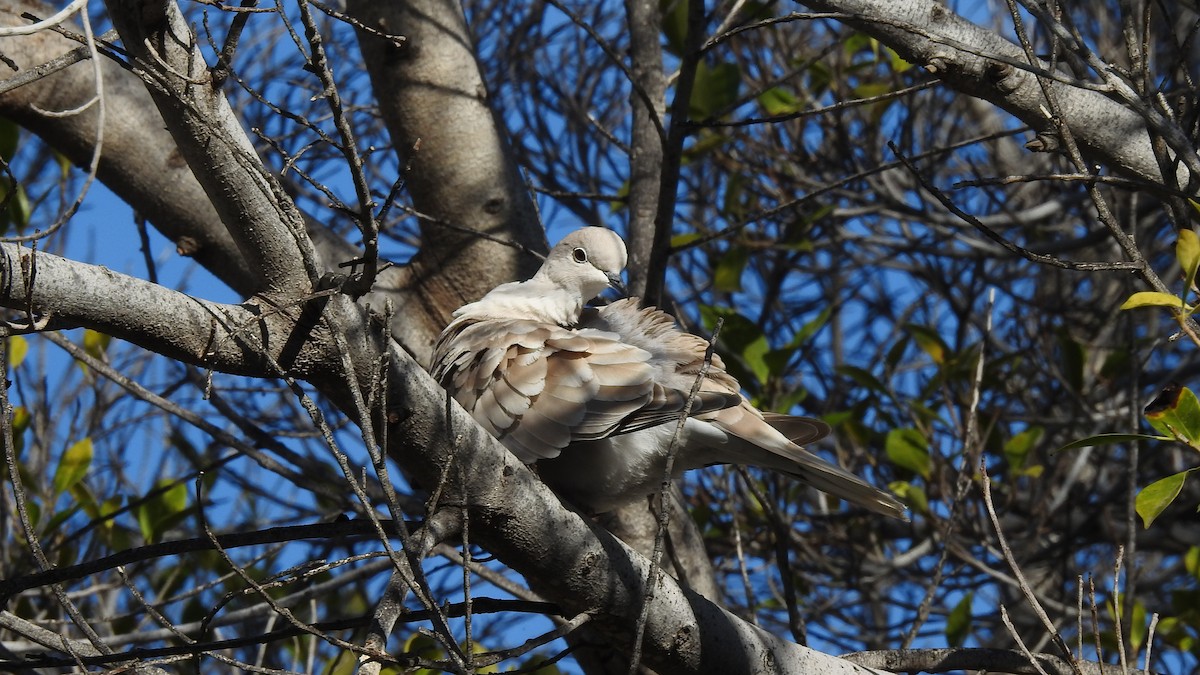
615	283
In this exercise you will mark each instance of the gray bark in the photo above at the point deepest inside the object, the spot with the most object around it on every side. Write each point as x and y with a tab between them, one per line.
140	162
647	101
478	223
56	293
975	60
265	225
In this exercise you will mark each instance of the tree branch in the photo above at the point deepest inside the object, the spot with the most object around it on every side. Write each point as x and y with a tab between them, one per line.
991	660
516	517
265	224
977	61
55	293
647	95
456	162
138	164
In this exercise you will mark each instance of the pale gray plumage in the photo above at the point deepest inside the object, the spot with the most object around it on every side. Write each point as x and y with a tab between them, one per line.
593	395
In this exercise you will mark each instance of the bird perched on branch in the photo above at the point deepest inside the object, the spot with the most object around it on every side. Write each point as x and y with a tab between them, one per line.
594	395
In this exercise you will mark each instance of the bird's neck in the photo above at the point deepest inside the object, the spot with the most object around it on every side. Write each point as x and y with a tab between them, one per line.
537	299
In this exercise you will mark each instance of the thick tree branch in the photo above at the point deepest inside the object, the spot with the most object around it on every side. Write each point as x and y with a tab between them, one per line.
139	162
267	227
648	137
457	163
977	61
564	556
52	292
990	660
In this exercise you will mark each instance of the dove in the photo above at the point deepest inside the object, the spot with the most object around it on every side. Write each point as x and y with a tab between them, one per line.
592	396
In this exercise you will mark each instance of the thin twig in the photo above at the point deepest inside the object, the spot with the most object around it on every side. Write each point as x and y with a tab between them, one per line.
1012	630
1150	643
1026	590
962	482
664	512
1050	260
1119	601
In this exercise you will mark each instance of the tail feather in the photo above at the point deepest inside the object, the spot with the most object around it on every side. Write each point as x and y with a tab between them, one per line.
799	430
837	482
768	441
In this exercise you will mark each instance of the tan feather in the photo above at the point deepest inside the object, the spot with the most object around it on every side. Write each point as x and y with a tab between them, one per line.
594	395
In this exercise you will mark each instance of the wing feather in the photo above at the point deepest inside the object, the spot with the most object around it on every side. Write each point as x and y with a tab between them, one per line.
539	387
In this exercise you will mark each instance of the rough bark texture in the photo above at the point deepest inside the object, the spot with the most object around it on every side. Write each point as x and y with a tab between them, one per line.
140	162
647	100
244	339
266	226
516	516
458	167
977	61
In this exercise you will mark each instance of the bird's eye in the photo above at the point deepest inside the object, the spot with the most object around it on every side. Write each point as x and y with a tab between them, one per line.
579	255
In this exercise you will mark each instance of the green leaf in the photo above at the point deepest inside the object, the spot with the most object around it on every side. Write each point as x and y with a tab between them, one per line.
20	422
898	63
862	377
618	204
1073	358
10	139
895	353
859	42
21	419
18	347
54	524
1176	413
84	499
1187	250
734	205
73	465
1157	496
674	24
742	342
811	327
706	142
1109	439
1017	448
162	510
1191	561
15	203
714	90
755	355
909	449
779	101
95	343
958	623
681	240
820	76
929	342
728	273
1116	364
19	208
1138	627
911	494
1156	299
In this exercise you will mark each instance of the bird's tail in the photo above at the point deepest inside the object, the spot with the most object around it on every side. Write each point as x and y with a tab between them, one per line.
836	481
767	441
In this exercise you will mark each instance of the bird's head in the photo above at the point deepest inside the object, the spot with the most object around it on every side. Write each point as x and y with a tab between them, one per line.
587	260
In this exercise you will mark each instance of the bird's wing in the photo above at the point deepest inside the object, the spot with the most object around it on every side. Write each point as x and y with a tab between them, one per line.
769	440
538	387
678	357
